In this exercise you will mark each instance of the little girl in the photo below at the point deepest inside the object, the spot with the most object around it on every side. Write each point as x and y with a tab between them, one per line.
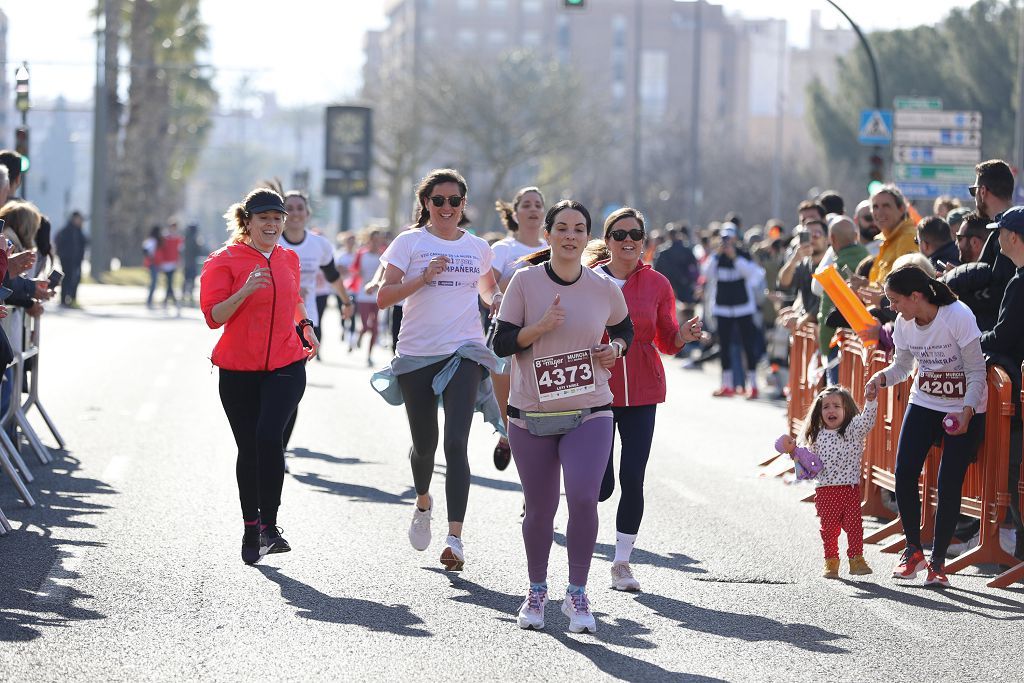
835	430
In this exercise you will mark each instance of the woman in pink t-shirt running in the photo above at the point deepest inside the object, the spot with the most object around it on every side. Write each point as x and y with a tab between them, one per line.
552	320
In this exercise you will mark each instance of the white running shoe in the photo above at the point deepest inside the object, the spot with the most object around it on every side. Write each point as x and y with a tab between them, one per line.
576	606
531	612
453	556
622	577
419	530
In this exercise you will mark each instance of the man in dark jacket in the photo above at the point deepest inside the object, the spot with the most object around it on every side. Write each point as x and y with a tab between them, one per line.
675	260
71	244
936	242
1004	344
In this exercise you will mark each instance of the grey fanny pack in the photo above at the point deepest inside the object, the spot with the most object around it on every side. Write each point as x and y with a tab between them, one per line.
554	424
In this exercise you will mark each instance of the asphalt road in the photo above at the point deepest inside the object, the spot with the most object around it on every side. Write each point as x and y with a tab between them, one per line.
128	569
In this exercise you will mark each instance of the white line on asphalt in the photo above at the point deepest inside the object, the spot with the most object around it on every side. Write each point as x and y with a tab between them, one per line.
115	468
162	381
59	580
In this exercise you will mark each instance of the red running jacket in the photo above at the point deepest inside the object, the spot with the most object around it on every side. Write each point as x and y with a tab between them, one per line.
639	378
261	334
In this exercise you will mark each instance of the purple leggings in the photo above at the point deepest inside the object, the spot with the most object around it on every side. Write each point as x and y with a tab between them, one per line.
583	456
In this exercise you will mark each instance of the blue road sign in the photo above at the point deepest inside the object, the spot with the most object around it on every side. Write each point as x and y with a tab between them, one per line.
875	127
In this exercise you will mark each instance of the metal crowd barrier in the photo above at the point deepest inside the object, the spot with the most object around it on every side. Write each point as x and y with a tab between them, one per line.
15	419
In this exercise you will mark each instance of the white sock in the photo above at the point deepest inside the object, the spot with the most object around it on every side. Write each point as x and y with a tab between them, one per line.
623	546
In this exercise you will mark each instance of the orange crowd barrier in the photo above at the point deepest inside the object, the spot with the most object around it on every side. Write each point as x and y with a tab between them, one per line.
1016	571
984	495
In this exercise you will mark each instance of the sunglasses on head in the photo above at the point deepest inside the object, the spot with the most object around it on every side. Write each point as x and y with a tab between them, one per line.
636	234
453	201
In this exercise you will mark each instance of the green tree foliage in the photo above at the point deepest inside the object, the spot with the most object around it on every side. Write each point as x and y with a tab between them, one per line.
969	60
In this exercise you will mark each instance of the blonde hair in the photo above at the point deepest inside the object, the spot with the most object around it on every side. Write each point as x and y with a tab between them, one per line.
595	252
22	219
918	259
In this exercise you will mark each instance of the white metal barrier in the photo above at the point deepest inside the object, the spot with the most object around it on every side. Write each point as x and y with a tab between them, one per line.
15	420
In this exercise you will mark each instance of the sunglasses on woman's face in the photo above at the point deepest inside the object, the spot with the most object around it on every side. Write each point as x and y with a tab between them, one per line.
636	234
453	201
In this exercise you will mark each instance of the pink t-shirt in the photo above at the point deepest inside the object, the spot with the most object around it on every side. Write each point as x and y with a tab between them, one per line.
557	372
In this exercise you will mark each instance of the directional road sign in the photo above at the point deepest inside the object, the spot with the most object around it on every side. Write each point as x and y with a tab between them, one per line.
917	103
935	174
961	120
932	190
940	136
907	154
875	127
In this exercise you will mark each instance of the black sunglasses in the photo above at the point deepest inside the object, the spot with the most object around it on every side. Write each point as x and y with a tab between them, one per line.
453	201
636	234
973	189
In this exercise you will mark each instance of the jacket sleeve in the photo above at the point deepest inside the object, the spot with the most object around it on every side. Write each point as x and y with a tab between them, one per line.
215	283
666	323
1005	337
968	278
748	269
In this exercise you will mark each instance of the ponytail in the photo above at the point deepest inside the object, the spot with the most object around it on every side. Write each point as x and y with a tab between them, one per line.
507	214
909	279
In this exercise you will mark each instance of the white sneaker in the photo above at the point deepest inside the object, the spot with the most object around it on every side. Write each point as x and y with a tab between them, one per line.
531	612
961	548
419	530
576	606
622	577
453	556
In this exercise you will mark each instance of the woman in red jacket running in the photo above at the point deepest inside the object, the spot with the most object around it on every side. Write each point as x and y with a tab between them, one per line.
638	381
251	287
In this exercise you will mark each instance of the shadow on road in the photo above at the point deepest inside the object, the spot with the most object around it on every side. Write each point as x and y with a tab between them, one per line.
318	606
355	492
486	482
327	457
677	561
748	627
618	632
37	567
920	595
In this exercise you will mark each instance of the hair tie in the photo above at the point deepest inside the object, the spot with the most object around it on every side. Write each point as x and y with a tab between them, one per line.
931	288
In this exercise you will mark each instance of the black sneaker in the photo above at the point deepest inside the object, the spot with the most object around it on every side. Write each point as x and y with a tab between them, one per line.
253	547
273	540
502	455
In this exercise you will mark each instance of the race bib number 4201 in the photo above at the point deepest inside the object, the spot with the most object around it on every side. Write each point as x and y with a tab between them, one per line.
944	384
564	374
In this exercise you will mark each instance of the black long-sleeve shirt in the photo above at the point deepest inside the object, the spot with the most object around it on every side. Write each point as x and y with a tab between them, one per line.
1006	340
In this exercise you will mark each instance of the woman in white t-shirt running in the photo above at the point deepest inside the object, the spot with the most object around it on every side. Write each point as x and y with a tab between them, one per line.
523	218
438	269
947	402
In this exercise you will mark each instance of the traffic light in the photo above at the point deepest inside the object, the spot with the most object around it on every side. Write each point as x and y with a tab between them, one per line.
876	174
574	4
21	146
21	101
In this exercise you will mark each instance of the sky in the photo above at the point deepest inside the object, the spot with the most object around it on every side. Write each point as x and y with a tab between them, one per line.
312	52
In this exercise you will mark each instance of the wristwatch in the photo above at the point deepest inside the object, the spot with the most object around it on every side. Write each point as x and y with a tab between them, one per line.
305	322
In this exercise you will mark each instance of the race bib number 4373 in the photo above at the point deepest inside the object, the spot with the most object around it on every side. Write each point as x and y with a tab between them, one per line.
564	374
944	384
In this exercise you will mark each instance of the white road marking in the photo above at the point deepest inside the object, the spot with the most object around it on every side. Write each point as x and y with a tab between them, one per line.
686	492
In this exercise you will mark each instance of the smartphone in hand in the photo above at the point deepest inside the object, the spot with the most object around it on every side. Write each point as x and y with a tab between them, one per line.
54	280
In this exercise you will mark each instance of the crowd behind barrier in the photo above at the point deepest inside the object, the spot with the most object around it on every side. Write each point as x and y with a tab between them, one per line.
15	425
984	495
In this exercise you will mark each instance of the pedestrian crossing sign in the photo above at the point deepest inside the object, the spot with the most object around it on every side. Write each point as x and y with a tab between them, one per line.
875	127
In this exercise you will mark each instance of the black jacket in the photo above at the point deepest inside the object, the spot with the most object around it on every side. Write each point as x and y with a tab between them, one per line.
71	243
677	263
947	253
974	284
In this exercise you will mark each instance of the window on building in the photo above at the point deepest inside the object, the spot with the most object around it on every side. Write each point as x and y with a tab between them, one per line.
531	6
467	37
496	37
467	5
654	82
497	5
531	38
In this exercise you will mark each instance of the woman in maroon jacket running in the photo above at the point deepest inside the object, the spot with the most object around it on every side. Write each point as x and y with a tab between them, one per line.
638	380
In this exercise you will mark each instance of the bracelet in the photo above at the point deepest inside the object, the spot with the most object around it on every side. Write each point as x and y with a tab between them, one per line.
305	322
619	349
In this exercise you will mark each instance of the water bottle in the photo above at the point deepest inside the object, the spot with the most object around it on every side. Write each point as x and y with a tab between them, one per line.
950	423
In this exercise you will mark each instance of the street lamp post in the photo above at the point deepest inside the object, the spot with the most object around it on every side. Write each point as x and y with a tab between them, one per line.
876	152
22	103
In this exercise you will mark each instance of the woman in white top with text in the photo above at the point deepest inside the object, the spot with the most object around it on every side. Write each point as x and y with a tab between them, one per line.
438	269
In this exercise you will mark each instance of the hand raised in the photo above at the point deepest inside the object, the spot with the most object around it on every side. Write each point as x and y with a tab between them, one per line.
435	268
258	279
553	317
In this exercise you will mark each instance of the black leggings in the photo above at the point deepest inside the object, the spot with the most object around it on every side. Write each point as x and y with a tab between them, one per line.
258	404
459	399
636	431
922	428
748	338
